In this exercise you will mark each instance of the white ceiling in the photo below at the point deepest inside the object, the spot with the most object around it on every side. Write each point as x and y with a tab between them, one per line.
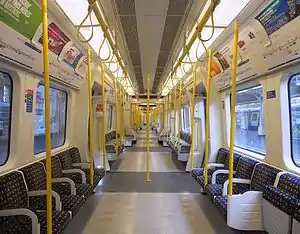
151	17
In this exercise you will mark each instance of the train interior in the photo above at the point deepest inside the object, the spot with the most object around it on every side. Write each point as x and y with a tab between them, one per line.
138	116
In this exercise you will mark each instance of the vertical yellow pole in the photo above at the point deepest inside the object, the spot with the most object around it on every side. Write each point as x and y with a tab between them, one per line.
116	113
47	116
193	114
148	128
179	114
103	116
168	109
123	114
90	119
207	118
174	125
131	115
233	92
163	116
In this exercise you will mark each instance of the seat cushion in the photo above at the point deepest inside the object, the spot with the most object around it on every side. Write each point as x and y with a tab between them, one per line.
213	190
22	223
200	180
71	202
282	200
84	189
97	177
221	203
197	172
297	211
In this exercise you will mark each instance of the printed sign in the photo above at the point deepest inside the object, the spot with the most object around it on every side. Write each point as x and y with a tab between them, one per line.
24	16
278	13
29	100
99	108
57	39
82	67
71	54
271	94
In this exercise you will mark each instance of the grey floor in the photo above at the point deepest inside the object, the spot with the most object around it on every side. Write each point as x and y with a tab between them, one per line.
124	203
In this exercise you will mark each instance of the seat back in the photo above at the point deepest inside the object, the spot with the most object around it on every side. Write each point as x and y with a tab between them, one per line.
13	192
236	158
222	155
263	175
290	184
245	167
65	159
55	166
75	155
35	176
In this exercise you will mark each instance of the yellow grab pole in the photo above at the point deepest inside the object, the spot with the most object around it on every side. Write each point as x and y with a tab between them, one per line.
90	119
103	115
47	116
131	115
232	116
170	107
123	114
193	114
168	110
148	129
116	114
174	125
179	116
207	119
163	116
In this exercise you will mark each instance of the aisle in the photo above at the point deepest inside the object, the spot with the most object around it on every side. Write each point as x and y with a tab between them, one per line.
170	204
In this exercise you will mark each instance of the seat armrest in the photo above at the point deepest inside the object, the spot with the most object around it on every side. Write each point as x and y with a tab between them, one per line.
212	165
235	180
44	192
66	180
82	165
217	172
22	211
83	177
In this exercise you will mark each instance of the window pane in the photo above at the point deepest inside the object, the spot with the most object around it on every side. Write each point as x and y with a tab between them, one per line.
5	115
58	113
109	117
249	120
294	99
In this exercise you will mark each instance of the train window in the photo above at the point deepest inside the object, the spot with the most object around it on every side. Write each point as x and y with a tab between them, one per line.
109	117
188	118
58	114
183	125
249	120
294	104
5	115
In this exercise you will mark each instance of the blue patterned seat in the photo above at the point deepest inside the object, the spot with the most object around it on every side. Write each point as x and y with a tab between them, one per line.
57	172
76	159
296	221
221	158
243	170
35	177
14	195
263	175
279	203
221	177
66	163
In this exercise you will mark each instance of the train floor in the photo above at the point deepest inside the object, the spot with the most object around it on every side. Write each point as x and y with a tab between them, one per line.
124	203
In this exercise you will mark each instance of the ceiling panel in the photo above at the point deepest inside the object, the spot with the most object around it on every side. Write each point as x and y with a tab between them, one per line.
175	15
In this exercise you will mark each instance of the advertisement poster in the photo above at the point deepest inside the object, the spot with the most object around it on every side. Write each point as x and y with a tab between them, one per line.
57	38
29	100
278	13
81	68
23	16
71	54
